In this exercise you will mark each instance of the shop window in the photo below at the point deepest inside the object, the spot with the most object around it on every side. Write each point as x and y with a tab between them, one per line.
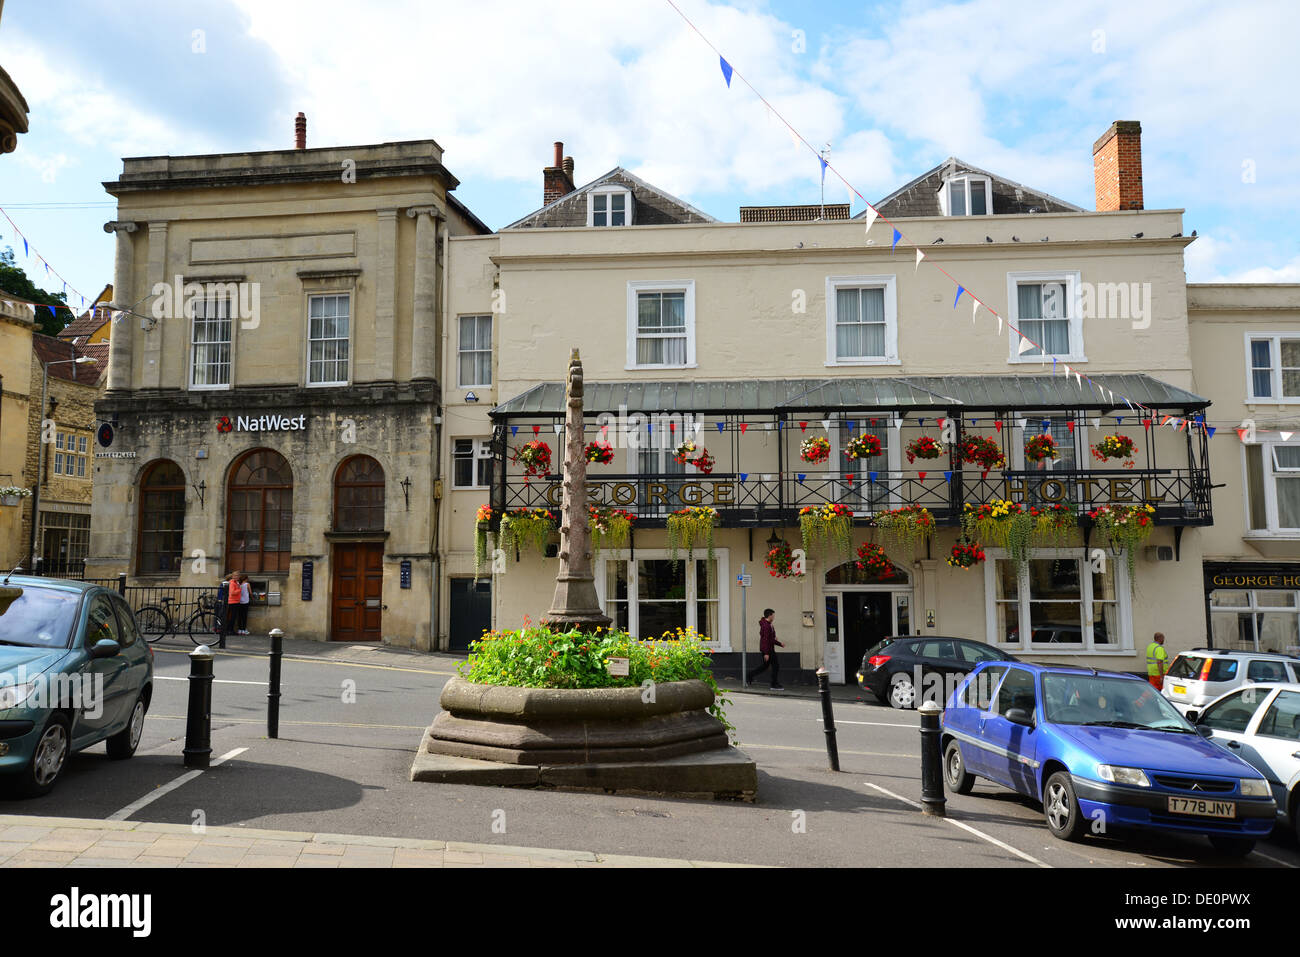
65	541
259	517
359	495
653	595
161	539
1255	619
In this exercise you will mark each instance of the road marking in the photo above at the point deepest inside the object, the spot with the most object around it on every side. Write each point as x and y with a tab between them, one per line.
167	788
1276	860
324	724
218	681
228	755
791	747
965	827
308	661
879	724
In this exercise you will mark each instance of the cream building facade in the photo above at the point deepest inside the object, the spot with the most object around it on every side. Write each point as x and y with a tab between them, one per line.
273	382
16	404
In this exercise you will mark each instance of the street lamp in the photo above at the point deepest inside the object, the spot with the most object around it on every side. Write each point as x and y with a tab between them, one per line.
40	461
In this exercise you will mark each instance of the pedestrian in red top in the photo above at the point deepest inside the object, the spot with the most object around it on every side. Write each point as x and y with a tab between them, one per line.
767	645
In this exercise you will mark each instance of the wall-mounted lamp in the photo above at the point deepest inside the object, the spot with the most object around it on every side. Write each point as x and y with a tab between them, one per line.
406	491
202	489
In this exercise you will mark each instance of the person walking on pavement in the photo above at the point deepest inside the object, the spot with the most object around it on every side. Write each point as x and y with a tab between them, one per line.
230	608
245	596
1157	662
767	645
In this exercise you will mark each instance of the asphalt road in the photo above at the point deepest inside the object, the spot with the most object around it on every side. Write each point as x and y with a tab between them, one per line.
348	731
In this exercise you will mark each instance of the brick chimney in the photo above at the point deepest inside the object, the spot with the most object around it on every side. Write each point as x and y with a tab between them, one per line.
300	132
1117	167
557	180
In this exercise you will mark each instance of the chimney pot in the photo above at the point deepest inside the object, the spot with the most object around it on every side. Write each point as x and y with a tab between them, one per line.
300	131
557	179
559	153
568	166
1117	167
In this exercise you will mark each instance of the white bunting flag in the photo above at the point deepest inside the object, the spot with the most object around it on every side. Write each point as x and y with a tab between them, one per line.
1025	345
919	256
1096	423
848	188
999	325
1021	423
826	424
1078	379
871	218
1286	436
1067	369
974	311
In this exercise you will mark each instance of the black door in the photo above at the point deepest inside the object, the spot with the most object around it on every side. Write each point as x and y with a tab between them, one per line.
471	611
867	619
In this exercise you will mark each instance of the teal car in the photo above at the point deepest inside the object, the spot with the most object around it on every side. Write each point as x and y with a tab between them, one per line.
74	671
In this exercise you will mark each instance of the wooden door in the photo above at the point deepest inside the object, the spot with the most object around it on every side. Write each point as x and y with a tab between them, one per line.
358	592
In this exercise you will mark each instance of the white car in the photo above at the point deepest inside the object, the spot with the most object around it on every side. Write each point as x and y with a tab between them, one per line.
1260	723
1197	677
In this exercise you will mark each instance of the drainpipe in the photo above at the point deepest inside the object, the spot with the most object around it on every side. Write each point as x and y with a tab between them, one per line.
439	532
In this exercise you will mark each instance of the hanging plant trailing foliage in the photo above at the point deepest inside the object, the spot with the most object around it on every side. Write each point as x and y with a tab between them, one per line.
526	528
1003	523
1055	525
905	526
1126	527
828	526
482	524
689	526
610	527
599	453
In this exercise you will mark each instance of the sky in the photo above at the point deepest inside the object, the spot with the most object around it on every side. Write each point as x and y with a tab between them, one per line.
1021	89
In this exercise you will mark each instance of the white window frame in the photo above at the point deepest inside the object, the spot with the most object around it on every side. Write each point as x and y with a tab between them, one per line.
194	317
1275	378
1073	284
1272	527
721	556
966	180
351	338
1123	595
890	285
607	192
634	289
893	463
1034	426
476	446
460	352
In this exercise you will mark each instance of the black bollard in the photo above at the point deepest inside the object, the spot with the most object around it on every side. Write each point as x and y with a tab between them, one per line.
198	724
273	685
828	717
932	799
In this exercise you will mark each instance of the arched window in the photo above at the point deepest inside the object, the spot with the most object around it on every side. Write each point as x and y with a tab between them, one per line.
259	520
160	542
359	495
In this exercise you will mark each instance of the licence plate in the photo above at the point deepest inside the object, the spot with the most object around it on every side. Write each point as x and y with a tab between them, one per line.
1180	689
1202	807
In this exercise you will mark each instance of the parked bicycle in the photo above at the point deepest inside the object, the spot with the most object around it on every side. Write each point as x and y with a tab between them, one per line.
158	621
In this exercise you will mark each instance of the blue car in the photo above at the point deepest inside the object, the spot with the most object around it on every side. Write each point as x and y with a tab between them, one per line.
74	671
1099	750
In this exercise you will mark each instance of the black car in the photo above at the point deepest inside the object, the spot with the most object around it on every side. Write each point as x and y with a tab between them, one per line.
896	669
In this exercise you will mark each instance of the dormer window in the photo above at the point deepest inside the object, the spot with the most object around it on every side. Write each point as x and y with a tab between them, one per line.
966	195
610	206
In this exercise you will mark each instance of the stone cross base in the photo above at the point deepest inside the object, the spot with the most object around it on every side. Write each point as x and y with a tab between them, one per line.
587	623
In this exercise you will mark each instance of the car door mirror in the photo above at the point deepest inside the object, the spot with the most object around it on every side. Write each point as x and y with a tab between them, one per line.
1204	731
1020	716
105	648
1192	716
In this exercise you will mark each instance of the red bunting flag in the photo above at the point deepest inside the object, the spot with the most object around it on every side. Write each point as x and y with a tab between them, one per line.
1241	434
1070	425
803	426
922	475
997	424
941	422
672	426
849	477
743	427
537	429
1146	423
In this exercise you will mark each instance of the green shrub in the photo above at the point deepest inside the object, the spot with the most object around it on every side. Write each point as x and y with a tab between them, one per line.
537	657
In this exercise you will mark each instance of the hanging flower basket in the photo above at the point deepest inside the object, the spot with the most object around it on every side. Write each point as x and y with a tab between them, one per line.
610	527
535	456
684	452
482	524
1115	447
689	526
862	447
526	528
599	453
966	554
873	562
1054	525
1125	527
984	452
827	526
704	461
925	447
12	494
780	561
1040	448
815	450
905	526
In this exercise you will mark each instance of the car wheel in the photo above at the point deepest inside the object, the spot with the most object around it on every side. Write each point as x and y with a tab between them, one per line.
48	757
1232	846
1061	808
902	693
955	775
123	744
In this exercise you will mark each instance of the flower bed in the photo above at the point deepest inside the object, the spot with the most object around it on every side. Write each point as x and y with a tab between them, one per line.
827	526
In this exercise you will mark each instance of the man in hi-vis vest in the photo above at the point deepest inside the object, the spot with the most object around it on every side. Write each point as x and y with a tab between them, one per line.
1157	662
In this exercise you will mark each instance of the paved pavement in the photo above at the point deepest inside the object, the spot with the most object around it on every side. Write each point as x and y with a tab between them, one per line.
77	842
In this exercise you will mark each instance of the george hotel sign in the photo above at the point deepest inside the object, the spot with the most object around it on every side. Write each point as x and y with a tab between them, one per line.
1251	575
1114	491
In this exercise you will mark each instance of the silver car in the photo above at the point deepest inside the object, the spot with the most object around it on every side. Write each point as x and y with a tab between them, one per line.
1260	724
1197	677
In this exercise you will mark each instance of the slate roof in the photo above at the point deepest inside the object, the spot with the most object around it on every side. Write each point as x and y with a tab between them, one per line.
651	205
920	197
897	393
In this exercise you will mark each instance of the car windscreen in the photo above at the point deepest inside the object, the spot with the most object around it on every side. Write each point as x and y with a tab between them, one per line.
1185	666
1101	701
39	618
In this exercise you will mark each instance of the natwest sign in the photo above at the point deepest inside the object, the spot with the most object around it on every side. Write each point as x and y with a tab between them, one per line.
262	423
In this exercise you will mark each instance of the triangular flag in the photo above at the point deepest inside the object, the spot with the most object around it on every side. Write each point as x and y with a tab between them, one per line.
1047	424
974	310
947	476
1021	423
1119	420
823	162
1286	436
1241	434
999	325
719	425
870	475
851	425
997	424
604	431
801	476
557	427
960	290
871	218
51	308
1096	423
794	138
26	254
699	424
1078	379
826	424
743	427
537	429
743	476
897	237
922	475
940	421
1146	423
921	423
1070	426
1025	345
726	71
1211	429
514	430
672	427
803	426
919	256
849	477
